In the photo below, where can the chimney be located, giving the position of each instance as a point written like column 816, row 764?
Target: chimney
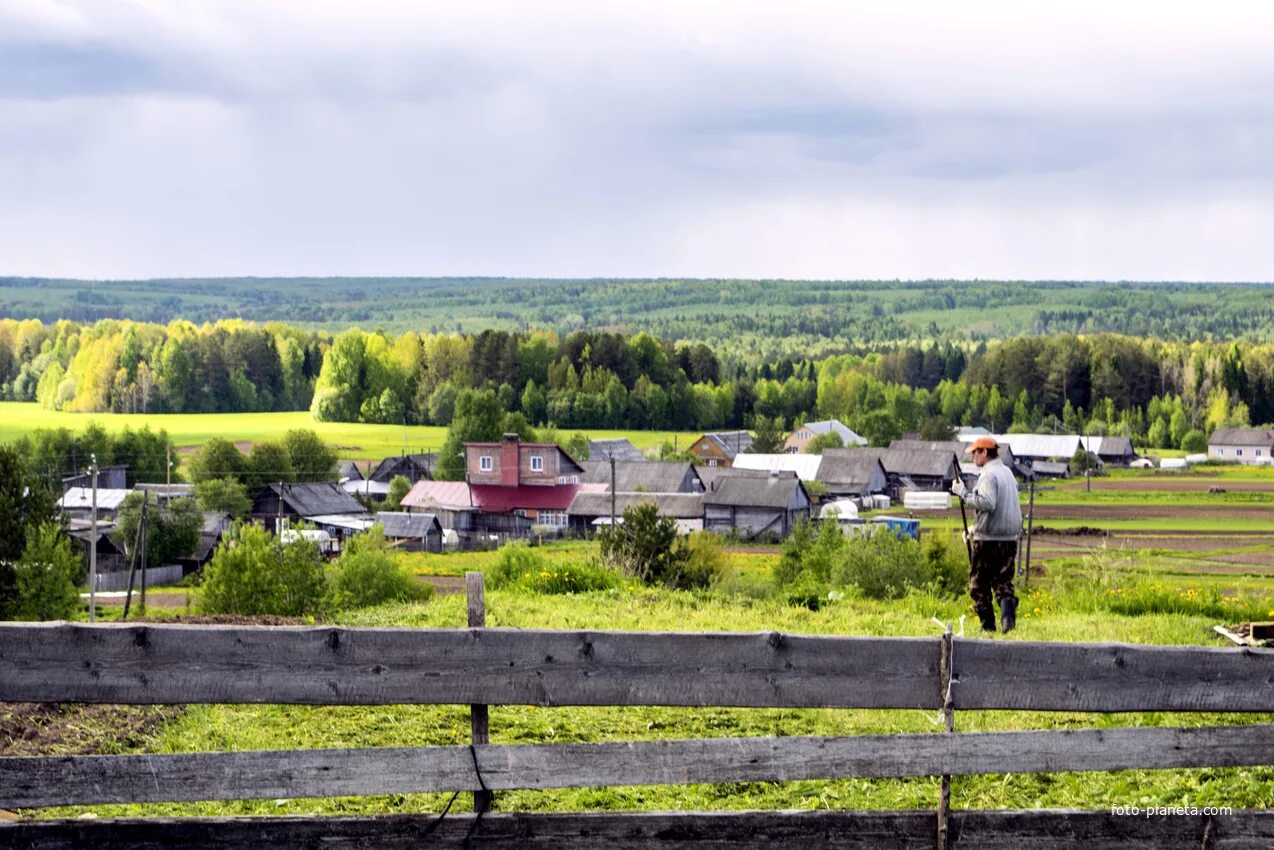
column 510, row 461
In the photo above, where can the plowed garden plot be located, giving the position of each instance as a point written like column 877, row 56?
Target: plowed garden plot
column 1174, row 483
column 1184, row 513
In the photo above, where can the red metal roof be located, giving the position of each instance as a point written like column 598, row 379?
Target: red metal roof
column 494, row 499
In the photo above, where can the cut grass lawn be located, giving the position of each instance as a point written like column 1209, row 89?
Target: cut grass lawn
column 351, row 440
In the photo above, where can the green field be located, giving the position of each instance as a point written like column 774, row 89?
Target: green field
column 350, row 440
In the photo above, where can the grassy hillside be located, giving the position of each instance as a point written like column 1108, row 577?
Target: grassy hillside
column 350, row 440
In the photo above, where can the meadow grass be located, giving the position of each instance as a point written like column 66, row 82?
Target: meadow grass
column 350, row 440
column 1044, row 616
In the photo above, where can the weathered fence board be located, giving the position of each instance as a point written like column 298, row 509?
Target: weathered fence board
column 1042, row 830
column 334, row 666
column 1111, row 677
column 86, row 780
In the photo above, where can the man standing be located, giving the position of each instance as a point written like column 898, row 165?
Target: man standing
column 994, row 535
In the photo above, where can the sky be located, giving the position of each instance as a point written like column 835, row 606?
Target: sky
column 794, row 139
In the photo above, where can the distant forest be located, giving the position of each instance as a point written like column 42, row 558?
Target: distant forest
column 740, row 319
column 1162, row 393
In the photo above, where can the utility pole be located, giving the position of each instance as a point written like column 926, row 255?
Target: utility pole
column 92, row 548
column 168, row 468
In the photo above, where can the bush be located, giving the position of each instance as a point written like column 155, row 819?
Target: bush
column 252, row 573
column 368, row 574
column 523, row 568
column 1194, row 442
column 707, row 560
column 46, row 575
column 646, row 546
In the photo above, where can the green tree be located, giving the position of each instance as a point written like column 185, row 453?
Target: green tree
column 878, row 427
column 268, row 462
column 937, row 428
column 646, row 546
column 830, row 440
column 217, row 458
column 223, row 495
column 46, row 575
column 1158, row 435
column 309, row 456
column 252, row 573
column 1194, row 442
column 534, row 402
column 767, row 434
column 478, row 419
column 25, row 504
column 172, row 530
column 399, row 487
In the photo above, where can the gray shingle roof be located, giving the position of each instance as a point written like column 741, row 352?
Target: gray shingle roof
column 620, row 448
column 1242, row 437
column 650, row 475
column 317, row 498
column 847, row 469
column 731, row 442
column 907, row 461
column 676, row 505
column 400, row 525
column 766, row 491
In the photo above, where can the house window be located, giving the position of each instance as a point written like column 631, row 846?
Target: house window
column 537, row 463
column 712, row 462
column 553, row 519
column 1258, row 452
column 1238, row 453
column 486, row 463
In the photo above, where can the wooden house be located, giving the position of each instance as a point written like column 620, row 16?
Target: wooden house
column 765, row 505
column 721, row 447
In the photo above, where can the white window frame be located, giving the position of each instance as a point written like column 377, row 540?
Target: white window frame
column 486, row 463
column 1238, row 453
column 537, row 463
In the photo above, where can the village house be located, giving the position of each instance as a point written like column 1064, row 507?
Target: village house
column 800, row 438
column 411, row 532
column 849, row 474
column 907, row 469
column 720, row 448
column 590, row 510
column 755, row 505
column 322, row 503
column 511, row 487
column 1242, row 445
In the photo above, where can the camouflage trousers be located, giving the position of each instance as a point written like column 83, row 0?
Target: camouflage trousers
column 991, row 573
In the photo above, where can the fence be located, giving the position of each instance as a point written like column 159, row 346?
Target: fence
column 118, row 579
column 171, row 664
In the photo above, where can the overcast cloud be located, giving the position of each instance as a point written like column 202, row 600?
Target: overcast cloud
column 791, row 139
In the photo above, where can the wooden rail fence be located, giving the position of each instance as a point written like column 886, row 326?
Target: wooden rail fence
column 167, row 664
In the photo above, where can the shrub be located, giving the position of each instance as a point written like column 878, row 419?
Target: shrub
column 252, row 573
column 1194, row 442
column 948, row 562
column 45, row 576
column 524, row 568
column 646, row 546
column 884, row 566
column 707, row 560
column 368, row 574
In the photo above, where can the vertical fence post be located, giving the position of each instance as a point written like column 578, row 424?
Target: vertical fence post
column 948, row 724
column 478, row 717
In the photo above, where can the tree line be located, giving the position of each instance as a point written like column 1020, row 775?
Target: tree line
column 1153, row 390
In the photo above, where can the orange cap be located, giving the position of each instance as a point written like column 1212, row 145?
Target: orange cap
column 984, row 443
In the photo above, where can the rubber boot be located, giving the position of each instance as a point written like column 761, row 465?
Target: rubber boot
column 1008, row 614
column 988, row 622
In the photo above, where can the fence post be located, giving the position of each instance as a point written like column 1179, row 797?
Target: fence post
column 948, row 724
column 478, row 718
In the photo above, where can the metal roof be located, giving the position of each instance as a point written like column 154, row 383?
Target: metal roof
column 1242, row 437
column 847, row 434
column 81, row 499
column 805, row 466
column 316, row 498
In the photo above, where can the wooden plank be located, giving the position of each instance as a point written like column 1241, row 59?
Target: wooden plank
column 984, row 830
column 135, row 663
column 1111, row 677
column 479, row 715
column 85, row 780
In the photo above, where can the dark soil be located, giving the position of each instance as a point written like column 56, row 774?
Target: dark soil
column 50, row 728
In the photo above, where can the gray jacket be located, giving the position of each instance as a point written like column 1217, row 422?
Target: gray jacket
column 994, row 497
